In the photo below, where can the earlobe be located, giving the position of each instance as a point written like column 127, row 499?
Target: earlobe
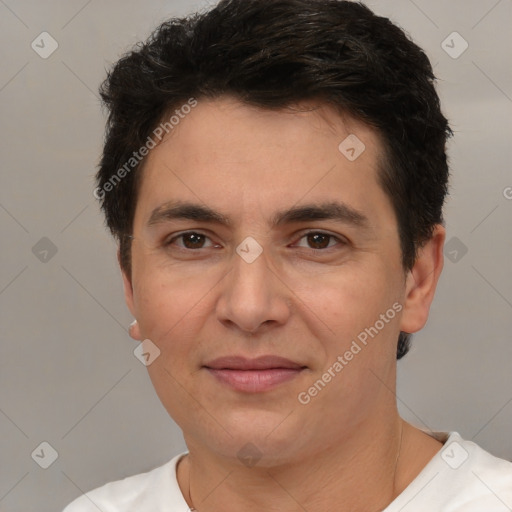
column 422, row 281
column 134, row 331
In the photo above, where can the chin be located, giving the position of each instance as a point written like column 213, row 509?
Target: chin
column 256, row 437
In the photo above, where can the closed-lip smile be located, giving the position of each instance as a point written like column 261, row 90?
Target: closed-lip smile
column 253, row 375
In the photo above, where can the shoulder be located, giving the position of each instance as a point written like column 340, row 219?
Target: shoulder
column 461, row 477
column 141, row 492
column 483, row 479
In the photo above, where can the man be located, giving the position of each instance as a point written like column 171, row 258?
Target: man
column 274, row 172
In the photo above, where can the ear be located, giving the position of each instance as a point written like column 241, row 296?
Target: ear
column 422, row 281
column 128, row 297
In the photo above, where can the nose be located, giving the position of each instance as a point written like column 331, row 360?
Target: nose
column 253, row 297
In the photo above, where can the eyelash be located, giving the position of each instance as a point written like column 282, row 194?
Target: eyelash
column 181, row 235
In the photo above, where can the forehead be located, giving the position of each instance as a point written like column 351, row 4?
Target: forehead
column 228, row 153
column 226, row 128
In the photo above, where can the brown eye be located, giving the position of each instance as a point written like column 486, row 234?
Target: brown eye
column 193, row 240
column 317, row 240
column 190, row 240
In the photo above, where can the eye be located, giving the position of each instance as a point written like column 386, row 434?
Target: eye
column 318, row 240
column 190, row 240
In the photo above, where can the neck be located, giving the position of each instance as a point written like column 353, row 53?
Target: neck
column 362, row 472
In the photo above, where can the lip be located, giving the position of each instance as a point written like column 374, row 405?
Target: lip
column 259, row 363
column 253, row 375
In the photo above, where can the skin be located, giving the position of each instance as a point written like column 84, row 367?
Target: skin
column 348, row 444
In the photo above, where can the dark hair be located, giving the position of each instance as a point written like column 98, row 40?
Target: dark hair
column 274, row 54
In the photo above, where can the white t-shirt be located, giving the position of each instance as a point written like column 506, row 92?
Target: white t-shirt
column 461, row 477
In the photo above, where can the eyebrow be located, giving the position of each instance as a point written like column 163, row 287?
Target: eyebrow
column 337, row 211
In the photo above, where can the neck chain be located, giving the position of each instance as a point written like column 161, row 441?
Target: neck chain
column 396, row 462
column 192, row 509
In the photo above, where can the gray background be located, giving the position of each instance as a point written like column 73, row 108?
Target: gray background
column 68, row 375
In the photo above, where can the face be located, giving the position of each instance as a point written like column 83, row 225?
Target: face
column 256, row 236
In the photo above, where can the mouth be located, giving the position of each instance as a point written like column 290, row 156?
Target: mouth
column 254, row 375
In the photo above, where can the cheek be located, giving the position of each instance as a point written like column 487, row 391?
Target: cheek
column 352, row 305
column 352, row 298
column 171, row 313
column 169, row 306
